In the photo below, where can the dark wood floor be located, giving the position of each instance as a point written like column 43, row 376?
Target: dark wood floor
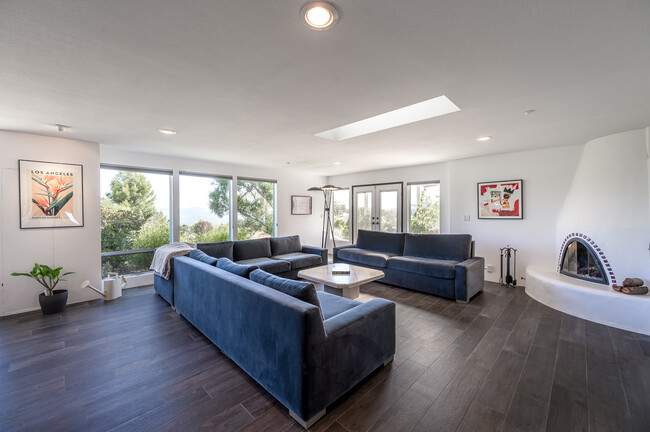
column 502, row 362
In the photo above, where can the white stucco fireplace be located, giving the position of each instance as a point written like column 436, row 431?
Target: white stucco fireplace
column 603, row 231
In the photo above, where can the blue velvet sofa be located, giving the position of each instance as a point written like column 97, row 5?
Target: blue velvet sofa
column 304, row 359
column 282, row 256
column 440, row 264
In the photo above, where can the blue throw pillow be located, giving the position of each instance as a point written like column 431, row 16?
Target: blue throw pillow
column 304, row 291
column 203, row 257
column 234, row 268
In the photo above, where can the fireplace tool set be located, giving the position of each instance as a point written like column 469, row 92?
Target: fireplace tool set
column 508, row 254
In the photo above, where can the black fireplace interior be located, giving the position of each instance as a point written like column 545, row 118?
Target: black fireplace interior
column 580, row 261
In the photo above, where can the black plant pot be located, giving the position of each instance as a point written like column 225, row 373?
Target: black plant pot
column 54, row 303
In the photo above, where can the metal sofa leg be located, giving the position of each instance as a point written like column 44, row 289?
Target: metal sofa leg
column 462, row 301
column 388, row 360
column 309, row 423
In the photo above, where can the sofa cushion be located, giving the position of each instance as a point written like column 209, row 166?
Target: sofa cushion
column 390, row 243
column 438, row 246
column 299, row 260
column 218, row 249
column 234, row 268
column 285, row 245
column 332, row 305
column 304, row 291
column 199, row 255
column 362, row 256
column 247, row 249
column 268, row 264
column 442, row 269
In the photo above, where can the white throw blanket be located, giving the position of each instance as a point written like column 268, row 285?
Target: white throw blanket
column 162, row 258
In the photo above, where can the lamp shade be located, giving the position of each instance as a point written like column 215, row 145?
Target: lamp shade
column 330, row 188
column 314, row 189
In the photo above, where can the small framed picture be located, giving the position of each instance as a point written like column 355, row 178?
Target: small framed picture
column 501, row 200
column 300, row 205
column 51, row 194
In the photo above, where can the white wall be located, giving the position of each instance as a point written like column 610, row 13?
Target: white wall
column 608, row 201
column 74, row 249
column 290, row 182
column 546, row 174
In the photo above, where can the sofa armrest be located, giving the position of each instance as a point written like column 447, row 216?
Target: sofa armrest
column 470, row 278
column 316, row 251
column 335, row 252
column 357, row 342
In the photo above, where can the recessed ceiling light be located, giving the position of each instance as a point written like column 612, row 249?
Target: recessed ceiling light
column 167, row 131
column 336, row 163
column 485, row 138
column 319, row 15
column 529, row 112
column 427, row 109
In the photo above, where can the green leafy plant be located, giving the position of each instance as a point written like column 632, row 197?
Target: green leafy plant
column 46, row 276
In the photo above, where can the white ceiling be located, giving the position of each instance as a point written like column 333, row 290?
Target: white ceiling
column 245, row 81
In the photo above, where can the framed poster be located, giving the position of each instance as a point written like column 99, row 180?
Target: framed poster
column 300, row 205
column 501, row 200
column 51, row 194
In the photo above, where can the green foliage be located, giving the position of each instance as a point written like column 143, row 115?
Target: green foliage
column 134, row 191
column 120, row 224
column 254, row 206
column 426, row 217
column 204, row 232
column 340, row 220
column 46, row 276
column 154, row 233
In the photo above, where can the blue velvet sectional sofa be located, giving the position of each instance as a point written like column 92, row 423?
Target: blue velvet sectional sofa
column 440, row 264
column 282, row 256
column 306, row 355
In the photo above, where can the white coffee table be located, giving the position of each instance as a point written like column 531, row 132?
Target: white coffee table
column 344, row 285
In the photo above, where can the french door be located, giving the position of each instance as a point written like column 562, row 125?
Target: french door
column 377, row 208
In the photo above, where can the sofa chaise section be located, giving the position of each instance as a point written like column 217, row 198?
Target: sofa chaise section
column 305, row 362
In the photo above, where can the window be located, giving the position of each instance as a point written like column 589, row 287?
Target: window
column 204, row 205
column 424, row 208
column 135, row 207
column 255, row 208
column 341, row 214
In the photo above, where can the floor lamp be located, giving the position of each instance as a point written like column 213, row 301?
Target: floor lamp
column 327, row 220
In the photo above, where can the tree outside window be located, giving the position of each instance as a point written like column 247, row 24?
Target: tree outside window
column 424, row 208
column 341, row 214
column 255, row 207
column 134, row 215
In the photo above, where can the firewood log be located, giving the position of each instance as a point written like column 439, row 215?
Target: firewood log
column 616, row 287
column 635, row 290
column 633, row 282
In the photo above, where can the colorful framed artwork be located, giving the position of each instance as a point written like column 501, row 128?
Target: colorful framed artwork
column 501, row 200
column 300, row 205
column 51, row 194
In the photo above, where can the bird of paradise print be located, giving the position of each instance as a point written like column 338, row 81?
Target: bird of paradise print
column 50, row 197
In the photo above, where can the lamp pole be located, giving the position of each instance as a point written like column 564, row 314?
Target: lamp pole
column 328, row 228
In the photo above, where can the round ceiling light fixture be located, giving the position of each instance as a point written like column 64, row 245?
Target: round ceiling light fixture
column 167, row 131
column 484, row 138
column 319, row 15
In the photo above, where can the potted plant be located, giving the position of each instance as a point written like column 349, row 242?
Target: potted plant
column 52, row 301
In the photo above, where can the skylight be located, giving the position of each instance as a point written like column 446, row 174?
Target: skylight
column 435, row 107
